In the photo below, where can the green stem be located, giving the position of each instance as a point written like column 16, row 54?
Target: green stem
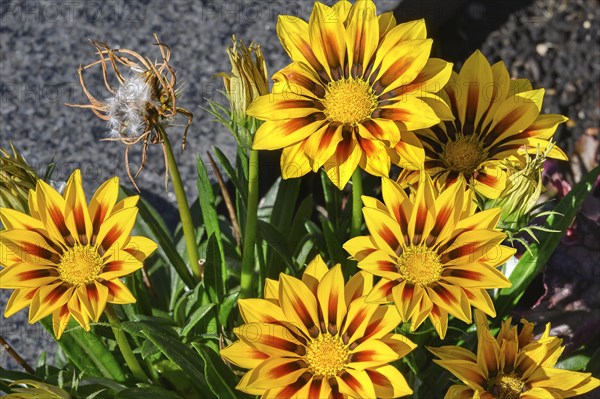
column 124, row 347
column 357, row 192
column 184, row 208
column 248, row 262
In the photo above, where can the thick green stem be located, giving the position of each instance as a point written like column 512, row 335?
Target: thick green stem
column 124, row 347
column 248, row 262
column 357, row 192
column 189, row 232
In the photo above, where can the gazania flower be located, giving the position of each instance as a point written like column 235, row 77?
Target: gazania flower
column 434, row 254
column 495, row 118
column 316, row 338
column 358, row 85
column 65, row 258
column 512, row 365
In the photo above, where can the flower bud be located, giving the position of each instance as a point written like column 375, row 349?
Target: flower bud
column 16, row 179
column 246, row 82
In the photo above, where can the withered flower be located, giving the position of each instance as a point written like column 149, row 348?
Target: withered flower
column 142, row 104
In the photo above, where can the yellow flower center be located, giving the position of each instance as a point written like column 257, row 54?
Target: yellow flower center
column 420, row 265
column 326, row 355
column 349, row 101
column 464, row 154
column 80, row 265
column 505, row 386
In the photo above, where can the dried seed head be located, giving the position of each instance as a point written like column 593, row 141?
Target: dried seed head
column 127, row 109
column 144, row 102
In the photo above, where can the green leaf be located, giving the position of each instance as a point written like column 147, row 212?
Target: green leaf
column 334, row 248
column 219, row 377
column 145, row 393
column 576, row 362
column 227, row 306
column 277, row 242
column 163, row 237
column 533, row 261
column 181, row 355
column 196, row 317
column 208, row 205
column 232, row 174
column 87, row 352
column 213, row 280
column 302, row 214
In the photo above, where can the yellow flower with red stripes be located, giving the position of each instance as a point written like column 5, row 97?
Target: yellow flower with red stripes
column 511, row 366
column 319, row 338
column 66, row 257
column 435, row 256
column 357, row 87
column 496, row 119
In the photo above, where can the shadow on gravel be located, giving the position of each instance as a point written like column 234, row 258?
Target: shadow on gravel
column 459, row 27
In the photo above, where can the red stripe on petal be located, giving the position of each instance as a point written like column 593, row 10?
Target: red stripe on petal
column 394, row 114
column 466, row 274
column 327, row 137
column 332, row 308
column 315, row 388
column 393, row 72
column 55, row 295
column 59, row 220
column 374, row 128
column 286, row 104
column 99, row 217
column 458, row 252
column 290, row 390
column 505, row 123
column 351, row 381
column 358, row 319
column 377, row 378
column 285, row 369
column 305, row 82
column 40, row 252
column 114, row 266
column 389, row 236
column 110, row 238
column 488, row 180
column 33, row 274
column 364, row 356
column 92, row 293
column 80, row 224
column 296, row 124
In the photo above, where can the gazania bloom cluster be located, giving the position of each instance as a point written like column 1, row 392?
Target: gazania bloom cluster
column 143, row 102
column 495, row 118
column 319, row 338
column 513, row 365
column 66, row 256
column 357, row 86
column 434, row 254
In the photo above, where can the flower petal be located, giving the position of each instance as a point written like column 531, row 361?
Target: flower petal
column 243, row 355
column 299, row 304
